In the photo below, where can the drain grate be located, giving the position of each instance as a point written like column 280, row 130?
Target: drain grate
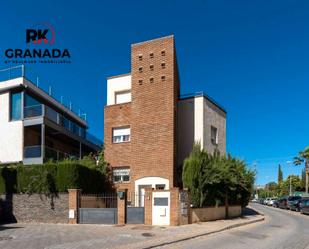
column 5, row 238
column 148, row 234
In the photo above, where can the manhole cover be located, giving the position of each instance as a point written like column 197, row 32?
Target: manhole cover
column 5, row 238
column 148, row 234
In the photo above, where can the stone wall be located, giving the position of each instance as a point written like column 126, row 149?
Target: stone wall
column 34, row 208
column 213, row 213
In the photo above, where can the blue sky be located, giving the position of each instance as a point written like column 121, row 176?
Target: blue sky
column 250, row 56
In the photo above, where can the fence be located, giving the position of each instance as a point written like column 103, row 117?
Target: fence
column 108, row 200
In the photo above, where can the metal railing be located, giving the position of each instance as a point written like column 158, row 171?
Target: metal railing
column 12, row 72
column 51, row 114
column 20, row 71
column 35, row 151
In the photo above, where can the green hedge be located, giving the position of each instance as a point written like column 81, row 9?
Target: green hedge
column 52, row 178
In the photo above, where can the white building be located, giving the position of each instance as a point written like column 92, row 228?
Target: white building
column 34, row 127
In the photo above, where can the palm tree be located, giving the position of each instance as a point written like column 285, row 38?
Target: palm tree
column 303, row 156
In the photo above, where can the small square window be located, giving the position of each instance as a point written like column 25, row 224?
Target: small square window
column 140, row 69
column 163, row 78
column 140, row 57
column 163, row 52
column 151, row 55
column 163, row 65
column 140, row 82
column 151, row 80
column 151, row 67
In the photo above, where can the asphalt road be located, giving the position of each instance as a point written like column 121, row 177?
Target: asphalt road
column 281, row 229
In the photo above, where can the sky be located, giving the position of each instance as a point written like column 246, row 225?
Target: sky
column 252, row 57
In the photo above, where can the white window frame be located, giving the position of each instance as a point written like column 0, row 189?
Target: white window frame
column 123, row 92
column 121, row 172
column 121, row 136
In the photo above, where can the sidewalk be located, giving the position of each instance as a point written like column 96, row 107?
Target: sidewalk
column 177, row 234
column 64, row 236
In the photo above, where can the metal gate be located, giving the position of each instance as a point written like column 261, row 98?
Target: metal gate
column 98, row 209
column 135, row 209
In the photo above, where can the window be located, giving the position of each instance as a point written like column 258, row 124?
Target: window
column 33, row 107
column 163, row 78
column 214, row 135
column 140, row 82
column 163, row 52
column 121, row 134
column 16, row 106
column 151, row 55
column 160, row 186
column 140, row 57
column 151, row 80
column 122, row 97
column 163, row 65
column 151, row 67
column 121, row 174
column 140, row 69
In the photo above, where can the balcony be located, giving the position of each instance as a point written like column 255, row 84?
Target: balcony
column 42, row 110
column 35, row 151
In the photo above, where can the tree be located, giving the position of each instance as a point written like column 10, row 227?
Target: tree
column 303, row 156
column 280, row 174
column 213, row 179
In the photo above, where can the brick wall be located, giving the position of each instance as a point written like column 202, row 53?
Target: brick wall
column 154, row 108
column 35, row 208
column 151, row 115
column 117, row 154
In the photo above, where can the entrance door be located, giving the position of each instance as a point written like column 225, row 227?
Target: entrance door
column 141, row 194
column 161, row 208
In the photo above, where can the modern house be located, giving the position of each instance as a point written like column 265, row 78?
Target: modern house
column 148, row 127
column 35, row 127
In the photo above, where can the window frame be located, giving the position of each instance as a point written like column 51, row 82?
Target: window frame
column 121, row 92
column 214, row 141
column 124, row 168
column 122, row 140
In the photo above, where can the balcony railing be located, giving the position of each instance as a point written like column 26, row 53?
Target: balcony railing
column 44, row 110
column 35, row 151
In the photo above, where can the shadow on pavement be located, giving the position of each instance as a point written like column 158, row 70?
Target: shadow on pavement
column 3, row 227
column 249, row 211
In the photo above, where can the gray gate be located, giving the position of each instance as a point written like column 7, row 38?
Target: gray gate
column 98, row 215
column 98, row 209
column 135, row 209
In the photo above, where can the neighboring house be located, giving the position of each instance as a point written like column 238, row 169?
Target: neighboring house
column 149, row 128
column 34, row 127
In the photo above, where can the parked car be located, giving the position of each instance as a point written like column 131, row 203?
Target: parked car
column 276, row 203
column 261, row 200
column 271, row 201
column 266, row 201
column 294, row 202
column 283, row 202
column 304, row 206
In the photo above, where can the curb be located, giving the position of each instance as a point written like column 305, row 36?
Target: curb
column 207, row 233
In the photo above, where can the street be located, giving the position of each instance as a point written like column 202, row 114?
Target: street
column 281, row 229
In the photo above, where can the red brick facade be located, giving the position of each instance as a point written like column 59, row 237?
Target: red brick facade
column 152, row 114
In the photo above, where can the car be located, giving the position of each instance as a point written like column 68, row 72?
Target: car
column 266, row 201
column 276, row 203
column 294, row 203
column 271, row 201
column 304, row 205
column 282, row 202
column 261, row 200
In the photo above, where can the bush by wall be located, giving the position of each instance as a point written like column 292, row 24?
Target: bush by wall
column 52, row 178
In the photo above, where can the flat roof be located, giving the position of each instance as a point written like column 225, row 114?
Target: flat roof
column 201, row 94
column 7, row 85
column 119, row 76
